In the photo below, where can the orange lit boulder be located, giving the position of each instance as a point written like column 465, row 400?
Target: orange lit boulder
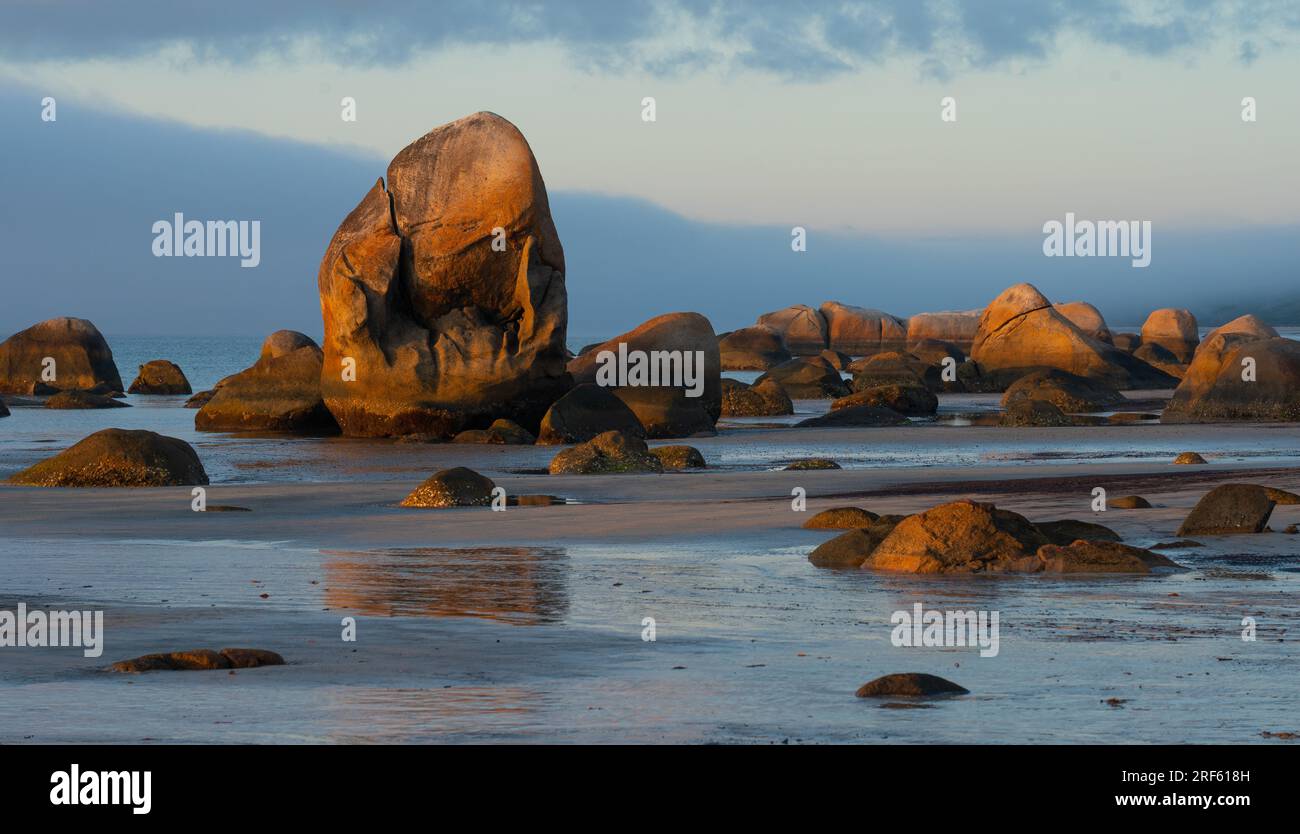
column 803, row 328
column 859, row 331
column 1087, row 318
column 444, row 289
column 956, row 327
column 1174, row 330
column 81, row 359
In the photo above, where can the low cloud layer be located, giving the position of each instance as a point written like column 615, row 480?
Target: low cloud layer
column 794, row 40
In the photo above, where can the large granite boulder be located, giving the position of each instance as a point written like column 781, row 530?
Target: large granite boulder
column 664, row 402
column 583, row 413
column 82, row 359
column 1087, row 318
column 755, row 348
column 1173, row 329
column 446, row 289
column 1021, row 331
column 1213, row 388
column 957, row 327
column 159, row 378
column 118, row 458
column 803, row 329
column 859, row 331
column 281, row 392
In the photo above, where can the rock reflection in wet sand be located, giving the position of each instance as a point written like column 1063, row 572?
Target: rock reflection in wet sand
column 520, row 585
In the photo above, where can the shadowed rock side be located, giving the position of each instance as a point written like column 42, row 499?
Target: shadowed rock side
column 82, row 359
column 583, row 413
column 755, row 348
column 909, row 684
column 1068, row 392
column 1021, row 331
column 608, row 453
column 664, row 410
column 198, row 660
column 457, row 487
column 1087, row 318
column 762, row 399
column 83, row 400
column 160, row 377
column 119, row 458
column 4, row 411
column 1229, row 509
column 807, row 378
column 447, row 333
column 1217, row 386
column 1173, row 329
column 952, row 326
column 279, row 393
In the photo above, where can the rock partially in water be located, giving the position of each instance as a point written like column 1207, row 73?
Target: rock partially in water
column 763, row 399
column 679, row 457
column 960, row 537
column 200, row 660
column 1101, row 557
column 281, row 392
column 810, row 463
column 1068, row 392
column 160, row 377
column 457, row 487
column 1228, row 509
column 119, row 458
column 82, row 400
column 1189, row 459
column 1129, row 502
column 807, row 378
column 502, row 432
column 851, row 549
column 612, row 452
column 81, row 359
column 856, row 416
column 914, row 684
column 585, row 412
column 1281, row 496
column 1026, row 413
column 909, row 400
column 755, row 348
column 1068, row 530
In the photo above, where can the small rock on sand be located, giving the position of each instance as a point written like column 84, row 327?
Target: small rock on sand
column 679, row 457
column 1130, row 502
column 810, row 463
column 1189, row 458
column 458, row 487
column 909, row 683
column 841, row 518
column 199, row 660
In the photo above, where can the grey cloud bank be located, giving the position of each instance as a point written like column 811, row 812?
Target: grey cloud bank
column 800, row 40
column 84, row 193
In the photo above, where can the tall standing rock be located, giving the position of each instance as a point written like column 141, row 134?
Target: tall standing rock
column 446, row 290
column 81, row 359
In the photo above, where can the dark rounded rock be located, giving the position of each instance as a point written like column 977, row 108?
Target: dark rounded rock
column 856, row 416
column 1068, row 392
column 119, row 458
column 160, row 377
column 81, row 358
column 679, row 457
column 1066, row 531
column 70, row 400
column 841, row 518
column 810, row 463
column 763, row 399
column 611, row 452
column 501, row 432
column 457, row 487
column 910, row 684
column 1230, row 508
column 808, row 378
column 908, row 400
column 755, row 348
column 585, row 412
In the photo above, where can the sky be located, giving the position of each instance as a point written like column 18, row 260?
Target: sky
column 769, row 115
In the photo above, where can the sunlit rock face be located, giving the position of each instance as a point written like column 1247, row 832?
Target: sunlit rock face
column 443, row 292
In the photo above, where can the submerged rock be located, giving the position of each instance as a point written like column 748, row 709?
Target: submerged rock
column 810, row 463
column 81, row 358
column 160, row 377
column 1025, row 412
column 608, row 453
column 447, row 329
column 1230, row 508
column 909, row 684
column 119, row 458
column 457, row 487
